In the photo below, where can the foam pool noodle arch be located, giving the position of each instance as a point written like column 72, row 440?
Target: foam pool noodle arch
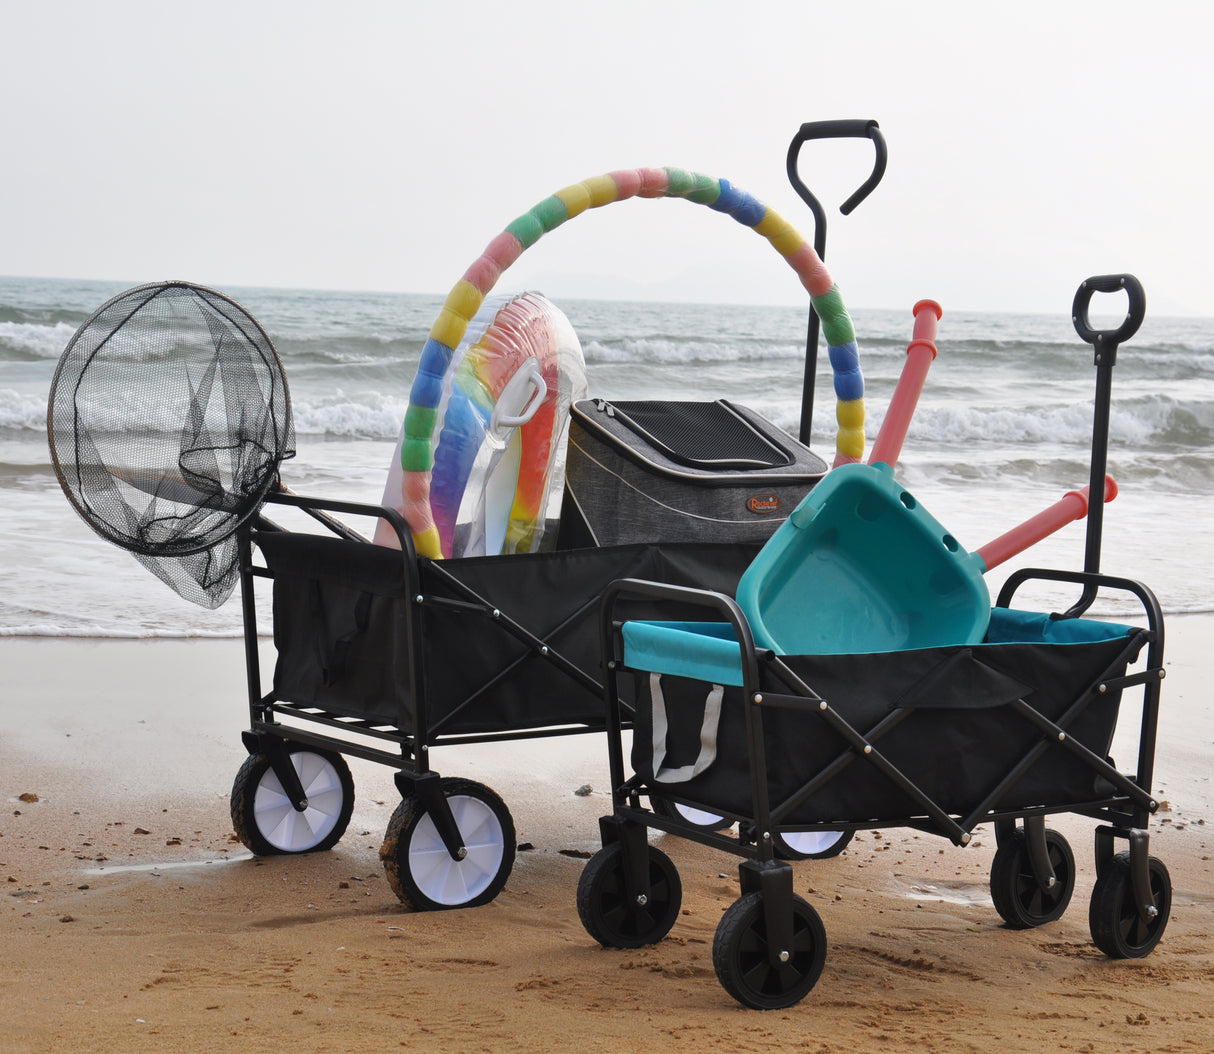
column 419, row 436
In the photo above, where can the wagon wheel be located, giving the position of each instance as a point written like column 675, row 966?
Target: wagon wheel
column 1018, row 896
column 810, row 845
column 421, row 870
column 701, row 818
column 613, row 918
column 267, row 822
column 1117, row 928
column 744, row 967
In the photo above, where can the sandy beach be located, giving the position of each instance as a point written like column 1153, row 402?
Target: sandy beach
column 133, row 920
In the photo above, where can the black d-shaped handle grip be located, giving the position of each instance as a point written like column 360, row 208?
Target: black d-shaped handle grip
column 1109, row 283
column 846, row 129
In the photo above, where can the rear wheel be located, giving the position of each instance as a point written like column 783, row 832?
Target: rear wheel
column 421, row 870
column 707, row 821
column 810, row 845
column 1018, row 895
column 1117, row 928
column 613, row 917
column 743, row 961
column 266, row 820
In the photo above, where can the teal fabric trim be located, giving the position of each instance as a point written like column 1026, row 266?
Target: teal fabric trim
column 709, row 651
column 705, row 651
column 1009, row 626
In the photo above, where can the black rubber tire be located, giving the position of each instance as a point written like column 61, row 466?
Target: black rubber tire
column 739, row 955
column 421, row 871
column 698, row 818
column 268, row 824
column 1020, row 901
column 792, row 845
column 608, row 914
column 1113, row 918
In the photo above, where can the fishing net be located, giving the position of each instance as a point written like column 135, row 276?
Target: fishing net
column 168, row 418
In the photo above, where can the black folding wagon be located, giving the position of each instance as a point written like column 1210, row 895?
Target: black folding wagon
column 758, row 748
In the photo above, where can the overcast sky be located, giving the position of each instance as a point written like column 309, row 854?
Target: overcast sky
column 380, row 145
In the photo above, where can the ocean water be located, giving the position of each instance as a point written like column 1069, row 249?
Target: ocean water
column 1003, row 429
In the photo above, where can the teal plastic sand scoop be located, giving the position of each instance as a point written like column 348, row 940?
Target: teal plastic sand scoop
column 861, row 566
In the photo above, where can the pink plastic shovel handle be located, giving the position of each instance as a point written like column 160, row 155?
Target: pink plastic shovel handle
column 919, row 355
column 1073, row 506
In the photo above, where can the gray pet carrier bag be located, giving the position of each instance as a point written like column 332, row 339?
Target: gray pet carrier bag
column 679, row 471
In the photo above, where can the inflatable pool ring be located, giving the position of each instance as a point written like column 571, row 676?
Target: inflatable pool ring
column 419, row 435
column 501, row 419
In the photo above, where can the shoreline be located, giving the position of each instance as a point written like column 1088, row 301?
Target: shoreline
column 134, row 919
column 265, row 633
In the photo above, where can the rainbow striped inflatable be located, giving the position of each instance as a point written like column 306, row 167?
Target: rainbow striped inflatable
column 501, row 423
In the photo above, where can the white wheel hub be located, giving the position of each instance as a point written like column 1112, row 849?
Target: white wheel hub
column 811, row 843
column 453, row 882
column 286, row 829
column 700, row 817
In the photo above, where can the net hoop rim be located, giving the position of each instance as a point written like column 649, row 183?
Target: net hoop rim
column 274, row 364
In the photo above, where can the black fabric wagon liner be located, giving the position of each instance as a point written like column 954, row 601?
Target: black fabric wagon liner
column 346, row 644
column 954, row 721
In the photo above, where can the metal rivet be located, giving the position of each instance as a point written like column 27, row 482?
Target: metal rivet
column 1061, row 737
column 543, row 649
column 418, row 599
column 867, row 749
column 642, row 899
column 758, row 697
column 1102, row 688
column 767, row 836
column 822, row 705
column 463, row 852
column 496, row 613
column 784, row 956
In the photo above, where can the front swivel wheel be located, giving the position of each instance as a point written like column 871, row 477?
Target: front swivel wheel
column 420, row 868
column 266, row 820
column 615, row 916
column 751, row 971
column 1018, row 896
column 1118, row 929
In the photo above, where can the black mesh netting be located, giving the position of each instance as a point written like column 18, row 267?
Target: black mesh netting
column 168, row 418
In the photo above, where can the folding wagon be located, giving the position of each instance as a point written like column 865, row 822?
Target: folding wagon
column 786, row 712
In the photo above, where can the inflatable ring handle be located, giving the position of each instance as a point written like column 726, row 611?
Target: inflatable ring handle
column 534, row 379
column 465, row 299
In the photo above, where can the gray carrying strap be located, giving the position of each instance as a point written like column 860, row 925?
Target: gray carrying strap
column 708, row 733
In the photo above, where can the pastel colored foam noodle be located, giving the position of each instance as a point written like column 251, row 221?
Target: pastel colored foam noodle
column 415, row 476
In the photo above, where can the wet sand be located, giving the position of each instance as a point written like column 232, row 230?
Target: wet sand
column 132, row 920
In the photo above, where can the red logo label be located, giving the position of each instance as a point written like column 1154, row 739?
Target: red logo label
column 763, row 504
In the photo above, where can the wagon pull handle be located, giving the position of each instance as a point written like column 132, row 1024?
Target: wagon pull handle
column 1073, row 505
column 845, row 129
column 1106, row 340
column 1104, row 348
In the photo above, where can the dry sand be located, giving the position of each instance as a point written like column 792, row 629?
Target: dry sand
column 133, row 921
